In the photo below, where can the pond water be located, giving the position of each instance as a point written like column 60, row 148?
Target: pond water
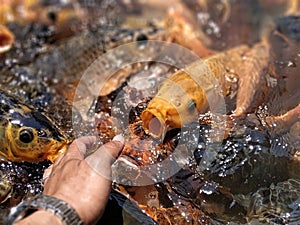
column 215, row 169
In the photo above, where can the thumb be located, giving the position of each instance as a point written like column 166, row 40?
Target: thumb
column 101, row 160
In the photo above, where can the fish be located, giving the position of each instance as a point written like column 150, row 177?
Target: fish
column 27, row 134
column 190, row 91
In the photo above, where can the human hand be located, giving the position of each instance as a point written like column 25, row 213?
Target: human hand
column 84, row 183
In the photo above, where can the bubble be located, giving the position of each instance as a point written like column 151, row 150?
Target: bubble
column 291, row 64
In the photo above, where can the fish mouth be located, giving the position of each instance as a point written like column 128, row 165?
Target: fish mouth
column 57, row 151
column 62, row 143
column 60, row 137
column 153, row 123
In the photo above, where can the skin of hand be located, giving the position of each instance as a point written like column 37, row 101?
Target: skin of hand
column 83, row 183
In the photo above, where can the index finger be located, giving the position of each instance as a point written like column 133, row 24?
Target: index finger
column 101, row 160
column 79, row 146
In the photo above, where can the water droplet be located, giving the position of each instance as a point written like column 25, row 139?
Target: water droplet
column 176, row 102
column 152, row 195
column 291, row 64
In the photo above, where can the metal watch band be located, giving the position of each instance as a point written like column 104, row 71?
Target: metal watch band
column 57, row 206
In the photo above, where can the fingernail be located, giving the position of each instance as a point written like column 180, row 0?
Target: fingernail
column 119, row 138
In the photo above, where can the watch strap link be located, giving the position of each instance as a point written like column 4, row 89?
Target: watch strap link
column 54, row 205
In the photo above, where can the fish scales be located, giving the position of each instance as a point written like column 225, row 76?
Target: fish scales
column 73, row 57
column 184, row 94
column 256, row 66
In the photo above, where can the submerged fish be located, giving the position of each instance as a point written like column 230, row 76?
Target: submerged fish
column 27, row 134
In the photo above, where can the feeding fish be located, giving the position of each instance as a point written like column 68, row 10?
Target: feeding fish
column 185, row 94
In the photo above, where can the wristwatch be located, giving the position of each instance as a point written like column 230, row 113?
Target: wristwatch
column 54, row 205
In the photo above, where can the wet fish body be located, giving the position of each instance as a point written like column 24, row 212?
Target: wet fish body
column 186, row 93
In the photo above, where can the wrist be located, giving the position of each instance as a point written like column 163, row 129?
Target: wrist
column 33, row 208
column 79, row 208
column 83, row 207
column 89, row 204
column 41, row 217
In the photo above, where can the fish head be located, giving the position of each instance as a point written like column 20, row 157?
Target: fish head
column 178, row 102
column 32, row 136
column 162, row 115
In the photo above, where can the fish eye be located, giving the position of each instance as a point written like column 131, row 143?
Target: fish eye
column 191, row 105
column 42, row 133
column 26, row 135
column 142, row 37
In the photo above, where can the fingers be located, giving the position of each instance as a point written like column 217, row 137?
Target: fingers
column 47, row 174
column 119, row 138
column 76, row 151
column 116, row 151
column 102, row 159
column 88, row 141
column 78, row 147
